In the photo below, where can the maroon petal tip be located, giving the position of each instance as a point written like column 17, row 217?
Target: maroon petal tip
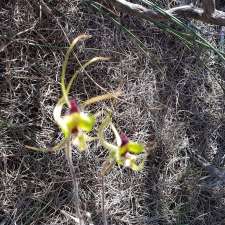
column 124, row 139
column 73, row 106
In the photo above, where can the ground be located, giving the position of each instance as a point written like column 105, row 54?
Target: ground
column 172, row 102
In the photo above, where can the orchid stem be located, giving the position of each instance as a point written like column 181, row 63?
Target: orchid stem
column 74, row 182
column 103, row 202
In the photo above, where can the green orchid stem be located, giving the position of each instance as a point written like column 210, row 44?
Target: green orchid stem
column 103, row 202
column 68, row 153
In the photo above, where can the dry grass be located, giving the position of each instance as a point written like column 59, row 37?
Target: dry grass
column 171, row 97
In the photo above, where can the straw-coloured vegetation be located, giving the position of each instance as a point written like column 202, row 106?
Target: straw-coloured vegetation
column 161, row 83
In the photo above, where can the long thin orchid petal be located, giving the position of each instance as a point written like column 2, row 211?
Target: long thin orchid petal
column 59, row 119
column 58, row 110
column 65, row 63
column 116, row 133
column 104, row 97
column 105, row 123
column 55, row 148
column 82, row 67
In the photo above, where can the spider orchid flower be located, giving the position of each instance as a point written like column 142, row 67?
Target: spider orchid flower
column 126, row 152
column 74, row 124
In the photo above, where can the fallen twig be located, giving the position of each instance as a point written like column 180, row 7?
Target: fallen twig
column 207, row 14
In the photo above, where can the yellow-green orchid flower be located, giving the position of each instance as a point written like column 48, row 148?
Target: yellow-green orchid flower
column 126, row 152
column 74, row 124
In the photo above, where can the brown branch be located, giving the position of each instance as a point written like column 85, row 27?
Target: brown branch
column 187, row 11
column 209, row 7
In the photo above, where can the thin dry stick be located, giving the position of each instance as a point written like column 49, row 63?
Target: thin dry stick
column 208, row 14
